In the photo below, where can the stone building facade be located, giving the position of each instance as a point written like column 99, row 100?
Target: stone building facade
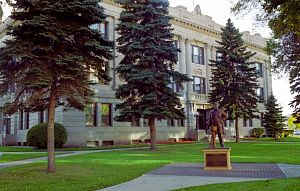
column 196, row 36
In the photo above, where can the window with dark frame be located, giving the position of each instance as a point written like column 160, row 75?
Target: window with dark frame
column 180, row 122
column 259, row 69
column 250, row 123
column 21, row 119
column 91, row 115
column 245, row 122
column 41, row 117
column 198, row 55
column 106, row 114
column 175, row 86
column 199, row 85
column 7, row 124
column 170, row 122
column 27, row 120
column 260, row 94
column 219, row 56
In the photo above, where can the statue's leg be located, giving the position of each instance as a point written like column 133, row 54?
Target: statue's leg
column 213, row 138
column 220, row 135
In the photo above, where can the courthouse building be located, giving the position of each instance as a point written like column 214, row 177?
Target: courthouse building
column 196, row 35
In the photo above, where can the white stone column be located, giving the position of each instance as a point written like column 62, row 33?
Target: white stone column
column 182, row 55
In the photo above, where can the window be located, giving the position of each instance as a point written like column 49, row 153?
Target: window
column 27, row 120
column 219, row 56
column 176, row 87
column 91, row 115
column 21, row 119
column 102, row 28
column 259, row 69
column 135, row 122
column 7, row 125
column 260, row 94
column 199, row 85
column 180, row 122
column 170, row 123
column 245, row 122
column 106, row 118
column 198, row 55
column 250, row 123
column 41, row 116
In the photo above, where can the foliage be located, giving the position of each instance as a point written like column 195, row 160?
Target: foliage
column 273, row 120
column 292, row 123
column 146, row 41
column 257, row 132
column 234, row 79
column 284, row 20
column 37, row 136
column 51, row 55
column 287, row 133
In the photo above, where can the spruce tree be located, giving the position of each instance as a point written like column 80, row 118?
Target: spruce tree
column 273, row 120
column 234, row 77
column 146, row 41
column 51, row 56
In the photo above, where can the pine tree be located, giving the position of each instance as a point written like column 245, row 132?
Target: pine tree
column 146, row 40
column 51, row 56
column 273, row 120
column 234, row 77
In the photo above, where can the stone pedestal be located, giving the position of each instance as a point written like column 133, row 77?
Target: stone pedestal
column 217, row 159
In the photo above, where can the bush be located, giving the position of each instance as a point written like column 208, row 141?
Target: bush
column 287, row 133
column 37, row 135
column 257, row 132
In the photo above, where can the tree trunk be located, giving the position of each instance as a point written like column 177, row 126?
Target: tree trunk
column 237, row 130
column 152, row 133
column 50, row 145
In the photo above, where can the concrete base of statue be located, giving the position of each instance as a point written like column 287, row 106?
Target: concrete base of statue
column 217, row 159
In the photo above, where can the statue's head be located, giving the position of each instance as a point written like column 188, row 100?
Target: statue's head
column 216, row 105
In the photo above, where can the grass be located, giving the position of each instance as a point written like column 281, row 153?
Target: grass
column 268, row 139
column 31, row 149
column 10, row 157
column 99, row 170
column 292, row 184
column 15, row 157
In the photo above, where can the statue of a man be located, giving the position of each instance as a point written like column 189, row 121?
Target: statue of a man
column 217, row 118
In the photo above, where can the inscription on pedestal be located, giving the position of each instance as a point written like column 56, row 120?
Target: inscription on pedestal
column 217, row 159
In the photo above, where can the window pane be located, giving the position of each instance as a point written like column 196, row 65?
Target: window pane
column 89, row 114
column 94, row 26
column 106, row 114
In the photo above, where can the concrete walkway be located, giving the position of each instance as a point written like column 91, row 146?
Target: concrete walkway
column 176, row 176
column 68, row 153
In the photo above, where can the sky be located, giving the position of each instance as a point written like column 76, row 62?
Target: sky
column 219, row 10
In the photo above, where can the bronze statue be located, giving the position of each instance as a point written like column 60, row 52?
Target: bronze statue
column 216, row 123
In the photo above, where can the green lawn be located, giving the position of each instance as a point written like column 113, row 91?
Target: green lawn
column 268, row 139
column 100, row 170
column 15, row 157
column 16, row 149
column 292, row 184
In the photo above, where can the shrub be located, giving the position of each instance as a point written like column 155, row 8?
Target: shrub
column 257, row 132
column 37, row 135
column 287, row 133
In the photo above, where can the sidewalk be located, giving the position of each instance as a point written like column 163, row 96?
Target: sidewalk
column 176, row 176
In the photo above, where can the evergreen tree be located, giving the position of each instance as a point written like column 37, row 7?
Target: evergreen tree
column 146, row 41
column 273, row 120
column 234, row 77
column 51, row 56
column 283, row 18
